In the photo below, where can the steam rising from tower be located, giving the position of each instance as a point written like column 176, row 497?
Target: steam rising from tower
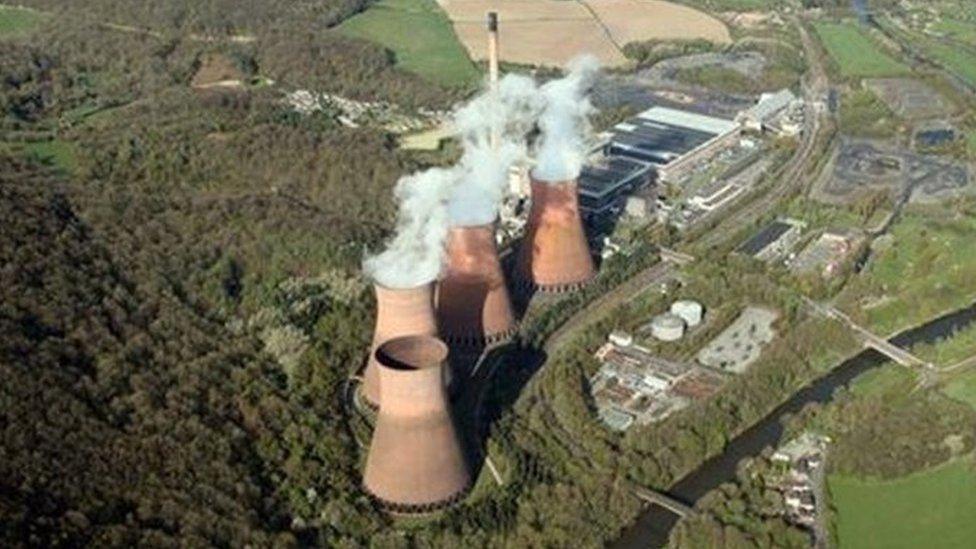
column 564, row 123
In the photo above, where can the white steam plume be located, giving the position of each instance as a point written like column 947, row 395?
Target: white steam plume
column 492, row 128
column 414, row 256
column 564, row 122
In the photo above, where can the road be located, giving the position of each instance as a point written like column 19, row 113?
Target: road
column 791, row 177
column 658, row 273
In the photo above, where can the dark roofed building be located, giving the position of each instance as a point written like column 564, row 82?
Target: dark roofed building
column 773, row 241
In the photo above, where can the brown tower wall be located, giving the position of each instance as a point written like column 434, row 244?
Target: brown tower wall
column 554, row 256
column 473, row 305
column 399, row 312
column 415, row 462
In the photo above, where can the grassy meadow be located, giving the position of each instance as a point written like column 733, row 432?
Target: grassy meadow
column 856, row 54
column 934, row 508
column 420, row 36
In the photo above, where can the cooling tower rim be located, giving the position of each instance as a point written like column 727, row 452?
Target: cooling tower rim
column 395, row 508
column 380, row 286
column 572, row 181
column 463, row 226
column 465, row 340
column 409, row 364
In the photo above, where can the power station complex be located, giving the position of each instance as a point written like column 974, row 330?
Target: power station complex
column 416, row 460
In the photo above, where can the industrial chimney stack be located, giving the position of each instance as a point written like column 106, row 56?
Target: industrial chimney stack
column 415, row 462
column 473, row 306
column 399, row 312
column 554, row 256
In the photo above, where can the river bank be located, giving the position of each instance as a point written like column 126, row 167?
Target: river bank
column 653, row 526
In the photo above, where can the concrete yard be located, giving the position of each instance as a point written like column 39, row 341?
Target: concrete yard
column 739, row 345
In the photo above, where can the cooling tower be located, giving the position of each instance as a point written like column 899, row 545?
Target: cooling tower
column 555, row 256
column 399, row 312
column 473, row 305
column 415, row 462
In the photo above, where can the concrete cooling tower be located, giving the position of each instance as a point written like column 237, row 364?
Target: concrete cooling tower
column 554, row 256
column 415, row 462
column 399, row 312
column 473, row 305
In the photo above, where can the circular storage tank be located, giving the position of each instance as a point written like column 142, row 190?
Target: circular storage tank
column 690, row 311
column 668, row 327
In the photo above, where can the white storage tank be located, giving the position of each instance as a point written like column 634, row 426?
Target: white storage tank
column 668, row 327
column 689, row 310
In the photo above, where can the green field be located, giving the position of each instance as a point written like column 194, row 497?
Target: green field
column 856, row 54
column 862, row 114
column 934, row 508
column 15, row 21
column 929, row 269
column 955, row 58
column 59, row 154
column 421, row 37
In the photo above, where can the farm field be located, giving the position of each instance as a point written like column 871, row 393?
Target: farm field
column 910, row 512
column 929, row 269
column 16, row 20
column 856, row 54
column 420, row 36
column 551, row 32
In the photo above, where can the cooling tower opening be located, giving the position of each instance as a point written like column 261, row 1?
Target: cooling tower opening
column 399, row 312
column 415, row 462
column 412, row 353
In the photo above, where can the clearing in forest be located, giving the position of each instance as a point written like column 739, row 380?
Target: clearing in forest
column 421, row 38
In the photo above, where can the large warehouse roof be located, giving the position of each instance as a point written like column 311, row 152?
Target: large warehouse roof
column 662, row 135
column 690, row 120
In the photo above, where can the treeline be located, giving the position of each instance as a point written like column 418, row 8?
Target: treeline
column 211, row 17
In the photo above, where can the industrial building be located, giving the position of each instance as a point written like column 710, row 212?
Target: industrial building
column 774, row 241
column 635, row 385
column 766, row 110
column 606, row 182
column 671, row 140
column 415, row 462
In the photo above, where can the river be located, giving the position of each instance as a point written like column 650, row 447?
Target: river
column 652, row 527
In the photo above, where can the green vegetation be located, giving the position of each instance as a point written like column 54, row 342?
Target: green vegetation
column 649, row 52
column 958, row 30
column 962, row 387
column 55, row 152
column 855, row 54
column 951, row 350
column 717, row 77
column 934, row 506
column 420, row 35
column 863, row 114
column 15, row 21
column 959, row 60
column 930, row 268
